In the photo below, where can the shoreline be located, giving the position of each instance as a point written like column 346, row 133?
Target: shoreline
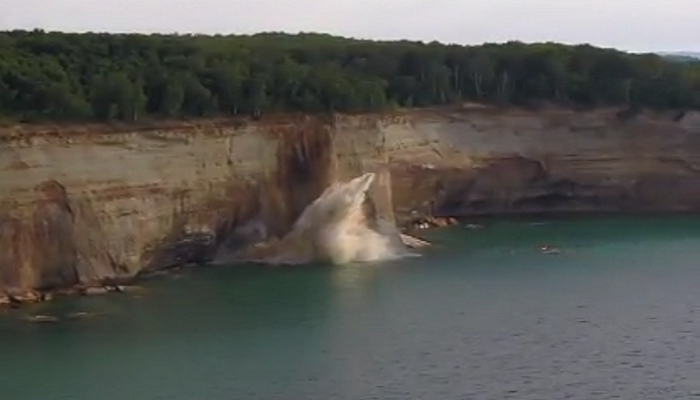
column 411, row 236
column 15, row 299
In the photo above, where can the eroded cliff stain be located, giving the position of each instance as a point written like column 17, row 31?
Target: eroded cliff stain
column 39, row 235
column 304, row 159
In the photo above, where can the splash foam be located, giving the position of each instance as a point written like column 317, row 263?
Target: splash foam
column 337, row 228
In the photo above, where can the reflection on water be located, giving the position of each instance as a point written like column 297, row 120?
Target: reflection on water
column 354, row 278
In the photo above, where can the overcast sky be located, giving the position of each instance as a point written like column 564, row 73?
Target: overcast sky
column 638, row 25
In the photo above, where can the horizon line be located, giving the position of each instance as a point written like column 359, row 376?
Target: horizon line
column 675, row 51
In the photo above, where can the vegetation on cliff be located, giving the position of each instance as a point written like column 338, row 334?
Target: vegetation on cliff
column 110, row 76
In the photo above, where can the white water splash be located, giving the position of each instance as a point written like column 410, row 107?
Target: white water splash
column 337, row 228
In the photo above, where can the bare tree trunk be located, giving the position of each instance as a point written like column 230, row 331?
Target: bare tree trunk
column 477, row 84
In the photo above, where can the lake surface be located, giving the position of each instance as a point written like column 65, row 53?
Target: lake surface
column 483, row 315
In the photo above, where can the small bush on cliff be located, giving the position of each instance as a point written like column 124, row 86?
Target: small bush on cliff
column 110, row 76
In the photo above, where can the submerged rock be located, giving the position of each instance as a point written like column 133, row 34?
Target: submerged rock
column 94, row 291
column 130, row 289
column 80, row 314
column 549, row 250
column 41, row 318
column 112, row 288
column 414, row 242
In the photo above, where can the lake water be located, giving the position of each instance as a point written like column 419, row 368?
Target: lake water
column 483, row 315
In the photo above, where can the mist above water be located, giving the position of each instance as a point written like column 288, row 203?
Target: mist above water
column 338, row 227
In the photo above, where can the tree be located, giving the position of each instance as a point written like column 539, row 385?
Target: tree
column 64, row 104
column 116, row 96
column 172, row 100
column 51, row 75
column 197, row 99
column 227, row 86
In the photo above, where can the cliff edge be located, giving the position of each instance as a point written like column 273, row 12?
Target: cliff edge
column 95, row 203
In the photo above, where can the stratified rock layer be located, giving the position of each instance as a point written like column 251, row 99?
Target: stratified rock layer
column 484, row 161
column 84, row 204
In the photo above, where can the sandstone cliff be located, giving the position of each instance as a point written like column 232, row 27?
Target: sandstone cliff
column 85, row 204
column 487, row 161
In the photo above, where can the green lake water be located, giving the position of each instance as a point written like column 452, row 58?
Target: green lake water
column 482, row 315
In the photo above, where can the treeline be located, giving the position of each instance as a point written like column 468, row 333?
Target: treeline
column 47, row 75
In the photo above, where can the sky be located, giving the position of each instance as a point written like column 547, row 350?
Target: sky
column 634, row 25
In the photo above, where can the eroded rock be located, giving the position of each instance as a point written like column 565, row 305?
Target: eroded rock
column 433, row 222
column 19, row 296
column 414, row 242
column 146, row 204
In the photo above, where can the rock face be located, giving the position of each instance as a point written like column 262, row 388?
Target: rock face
column 83, row 204
column 484, row 161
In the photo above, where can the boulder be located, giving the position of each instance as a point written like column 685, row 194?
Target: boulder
column 23, row 296
column 414, row 242
column 94, row 291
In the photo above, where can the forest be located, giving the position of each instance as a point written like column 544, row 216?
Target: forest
column 95, row 76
